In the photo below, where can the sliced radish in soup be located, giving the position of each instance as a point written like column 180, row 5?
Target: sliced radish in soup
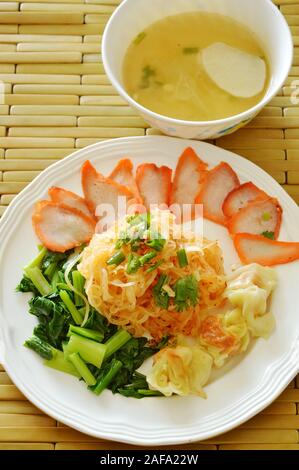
column 238, row 73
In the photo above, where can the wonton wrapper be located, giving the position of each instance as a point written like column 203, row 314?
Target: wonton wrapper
column 249, row 289
column 182, row 370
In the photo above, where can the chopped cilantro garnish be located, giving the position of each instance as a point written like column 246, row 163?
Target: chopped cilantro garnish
column 186, row 292
column 270, row 235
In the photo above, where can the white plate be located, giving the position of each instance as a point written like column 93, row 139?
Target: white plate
column 250, row 384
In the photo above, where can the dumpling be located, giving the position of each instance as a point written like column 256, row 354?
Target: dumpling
column 224, row 335
column 235, row 324
column 261, row 326
column 246, row 276
column 182, row 370
column 248, row 289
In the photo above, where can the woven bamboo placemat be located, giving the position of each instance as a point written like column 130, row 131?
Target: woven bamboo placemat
column 55, row 85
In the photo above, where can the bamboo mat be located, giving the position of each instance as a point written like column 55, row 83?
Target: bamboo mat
column 55, row 85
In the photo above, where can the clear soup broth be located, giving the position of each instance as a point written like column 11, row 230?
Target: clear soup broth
column 163, row 70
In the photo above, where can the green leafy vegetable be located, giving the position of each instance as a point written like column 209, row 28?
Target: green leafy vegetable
column 82, row 369
column 66, row 299
column 26, row 285
column 58, row 362
column 38, row 280
column 36, row 262
column 40, row 347
column 106, row 379
column 52, row 317
column 51, row 258
column 119, row 339
column 150, row 393
column 101, row 324
column 78, row 283
column 57, row 280
column 87, row 333
column 131, row 355
column 90, row 351
column 112, row 364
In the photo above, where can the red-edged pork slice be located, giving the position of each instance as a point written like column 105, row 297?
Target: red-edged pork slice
column 68, row 198
column 261, row 217
column 261, row 250
column 218, row 183
column 60, row 227
column 189, row 175
column 99, row 190
column 123, row 174
column 154, row 184
column 240, row 197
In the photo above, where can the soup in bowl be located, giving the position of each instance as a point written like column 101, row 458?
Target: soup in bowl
column 197, row 68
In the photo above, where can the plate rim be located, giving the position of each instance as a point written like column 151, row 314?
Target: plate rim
column 280, row 372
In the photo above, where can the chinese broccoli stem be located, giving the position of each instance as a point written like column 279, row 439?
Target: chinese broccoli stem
column 82, row 311
column 36, row 262
column 78, row 283
column 150, row 393
column 87, row 333
column 82, row 369
column 105, row 381
column 42, row 348
column 39, row 280
column 55, row 280
column 51, row 270
column 89, row 350
column 63, row 286
column 71, row 307
column 59, row 362
column 119, row 339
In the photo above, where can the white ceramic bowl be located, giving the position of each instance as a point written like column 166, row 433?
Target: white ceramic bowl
column 261, row 16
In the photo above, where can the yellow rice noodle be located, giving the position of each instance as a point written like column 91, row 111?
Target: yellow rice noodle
column 126, row 299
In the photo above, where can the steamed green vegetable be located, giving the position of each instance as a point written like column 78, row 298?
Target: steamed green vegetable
column 82, row 369
column 58, row 362
column 97, row 352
